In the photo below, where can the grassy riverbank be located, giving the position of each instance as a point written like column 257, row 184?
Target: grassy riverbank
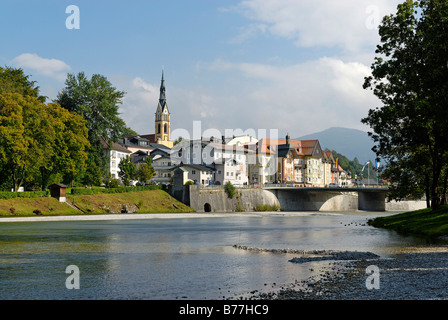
column 149, row 201
column 426, row 222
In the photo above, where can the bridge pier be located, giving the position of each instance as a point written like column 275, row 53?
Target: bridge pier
column 315, row 200
column 371, row 201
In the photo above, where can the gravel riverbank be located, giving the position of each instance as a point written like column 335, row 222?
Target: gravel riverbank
column 415, row 274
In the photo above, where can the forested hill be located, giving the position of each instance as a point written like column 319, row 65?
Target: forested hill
column 354, row 166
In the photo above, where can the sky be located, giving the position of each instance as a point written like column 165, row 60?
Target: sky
column 296, row 66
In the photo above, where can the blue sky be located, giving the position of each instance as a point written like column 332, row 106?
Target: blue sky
column 292, row 65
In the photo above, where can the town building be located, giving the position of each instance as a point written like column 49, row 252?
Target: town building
column 295, row 162
column 198, row 174
column 114, row 153
column 228, row 161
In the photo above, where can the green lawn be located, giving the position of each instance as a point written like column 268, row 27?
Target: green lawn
column 425, row 222
column 148, row 201
column 23, row 207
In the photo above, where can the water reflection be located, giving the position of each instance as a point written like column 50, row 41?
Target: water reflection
column 174, row 258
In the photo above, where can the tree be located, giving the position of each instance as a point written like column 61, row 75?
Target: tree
column 127, row 170
column 92, row 175
column 14, row 84
column 145, row 171
column 411, row 80
column 15, row 81
column 38, row 140
column 66, row 146
column 13, row 145
column 97, row 102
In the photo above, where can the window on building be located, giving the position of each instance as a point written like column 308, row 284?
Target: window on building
column 193, row 171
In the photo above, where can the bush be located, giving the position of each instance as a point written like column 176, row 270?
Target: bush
column 27, row 194
column 188, row 183
column 229, row 189
column 12, row 210
column 267, row 207
column 114, row 183
column 37, row 212
column 83, row 191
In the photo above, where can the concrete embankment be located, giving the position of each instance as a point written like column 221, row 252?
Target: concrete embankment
column 216, row 200
column 405, row 205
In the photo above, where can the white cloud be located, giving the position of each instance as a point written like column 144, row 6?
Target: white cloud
column 348, row 25
column 302, row 98
column 139, row 103
column 52, row 68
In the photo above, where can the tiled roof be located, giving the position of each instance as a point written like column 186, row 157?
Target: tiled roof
column 109, row 145
column 302, row 147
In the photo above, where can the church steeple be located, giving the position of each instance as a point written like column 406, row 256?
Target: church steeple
column 162, row 118
column 162, row 98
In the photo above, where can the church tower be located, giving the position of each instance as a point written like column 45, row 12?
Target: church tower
column 162, row 119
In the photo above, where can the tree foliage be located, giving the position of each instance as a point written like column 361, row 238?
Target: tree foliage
column 145, row 171
column 15, row 81
column 410, row 77
column 38, row 141
column 128, row 170
column 97, row 102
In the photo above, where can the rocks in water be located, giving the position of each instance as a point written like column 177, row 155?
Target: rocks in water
column 342, row 255
column 315, row 255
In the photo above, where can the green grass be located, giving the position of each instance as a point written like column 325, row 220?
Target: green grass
column 426, row 222
column 267, row 207
column 23, row 207
column 149, row 201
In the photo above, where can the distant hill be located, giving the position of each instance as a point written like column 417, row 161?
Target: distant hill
column 349, row 142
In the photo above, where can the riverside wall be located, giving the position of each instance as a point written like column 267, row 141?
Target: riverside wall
column 215, row 199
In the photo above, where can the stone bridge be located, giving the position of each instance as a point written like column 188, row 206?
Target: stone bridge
column 330, row 199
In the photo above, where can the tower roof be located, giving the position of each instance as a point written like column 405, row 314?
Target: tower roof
column 162, row 98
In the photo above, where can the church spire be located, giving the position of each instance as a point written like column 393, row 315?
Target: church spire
column 162, row 98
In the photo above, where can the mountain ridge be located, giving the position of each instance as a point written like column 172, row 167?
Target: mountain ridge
column 349, row 142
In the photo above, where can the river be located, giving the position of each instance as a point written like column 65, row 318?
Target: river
column 181, row 258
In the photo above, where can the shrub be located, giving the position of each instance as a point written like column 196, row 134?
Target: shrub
column 114, row 183
column 267, row 207
column 12, row 210
column 37, row 212
column 27, row 194
column 229, row 189
column 189, row 183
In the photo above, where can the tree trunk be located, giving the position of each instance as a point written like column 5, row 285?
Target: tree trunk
column 427, row 192
column 445, row 182
column 435, row 195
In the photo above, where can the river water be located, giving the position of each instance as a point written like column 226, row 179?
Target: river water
column 182, row 258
